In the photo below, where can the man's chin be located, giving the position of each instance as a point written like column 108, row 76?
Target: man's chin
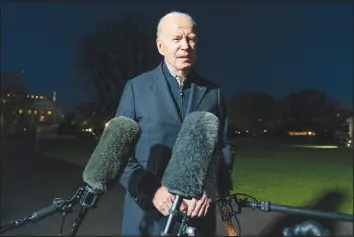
column 185, row 65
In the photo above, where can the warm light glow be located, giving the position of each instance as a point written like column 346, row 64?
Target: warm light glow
column 49, row 112
column 301, row 133
column 29, row 111
column 35, row 112
column 41, row 118
column 315, row 146
column 20, row 111
column 32, row 96
column 36, row 96
column 41, row 97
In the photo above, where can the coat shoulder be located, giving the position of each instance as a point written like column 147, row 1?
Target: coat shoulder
column 203, row 81
column 145, row 77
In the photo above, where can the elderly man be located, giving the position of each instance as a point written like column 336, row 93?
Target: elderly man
column 159, row 100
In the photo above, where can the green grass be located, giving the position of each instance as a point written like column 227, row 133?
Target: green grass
column 294, row 176
column 280, row 174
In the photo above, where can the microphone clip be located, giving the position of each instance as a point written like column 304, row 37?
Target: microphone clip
column 88, row 196
column 228, row 212
column 229, row 207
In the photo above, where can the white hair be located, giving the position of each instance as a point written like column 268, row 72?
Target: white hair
column 171, row 14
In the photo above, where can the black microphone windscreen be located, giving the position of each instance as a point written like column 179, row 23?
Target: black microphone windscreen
column 112, row 153
column 192, row 155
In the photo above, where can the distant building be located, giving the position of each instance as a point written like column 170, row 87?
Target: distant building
column 34, row 111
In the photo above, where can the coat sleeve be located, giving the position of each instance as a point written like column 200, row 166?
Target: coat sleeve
column 139, row 183
column 228, row 152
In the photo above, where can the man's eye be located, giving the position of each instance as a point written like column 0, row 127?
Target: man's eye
column 193, row 39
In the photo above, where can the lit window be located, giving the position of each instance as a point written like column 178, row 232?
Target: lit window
column 8, row 95
column 20, row 111
column 29, row 111
column 28, row 96
column 41, row 97
column 36, row 96
column 35, row 112
column 49, row 112
column 32, row 96
column 41, row 118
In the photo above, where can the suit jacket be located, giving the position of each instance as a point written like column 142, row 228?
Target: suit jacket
column 148, row 100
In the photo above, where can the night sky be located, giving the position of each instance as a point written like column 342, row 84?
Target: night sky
column 272, row 46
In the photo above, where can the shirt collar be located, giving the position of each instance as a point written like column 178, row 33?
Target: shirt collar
column 175, row 76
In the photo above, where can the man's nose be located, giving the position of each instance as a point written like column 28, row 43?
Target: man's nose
column 184, row 43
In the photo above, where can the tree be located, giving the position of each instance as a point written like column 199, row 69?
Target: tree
column 253, row 111
column 311, row 109
column 117, row 51
column 11, row 82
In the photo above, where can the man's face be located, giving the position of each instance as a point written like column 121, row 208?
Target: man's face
column 178, row 42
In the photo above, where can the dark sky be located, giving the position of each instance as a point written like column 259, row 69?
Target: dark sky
column 272, row 46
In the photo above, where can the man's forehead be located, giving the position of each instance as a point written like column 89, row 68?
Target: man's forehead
column 178, row 28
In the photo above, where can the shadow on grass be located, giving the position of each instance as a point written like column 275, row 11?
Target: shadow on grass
column 329, row 202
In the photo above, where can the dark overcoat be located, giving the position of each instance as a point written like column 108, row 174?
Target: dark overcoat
column 148, row 100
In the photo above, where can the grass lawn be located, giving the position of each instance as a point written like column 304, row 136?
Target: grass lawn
column 279, row 174
column 293, row 176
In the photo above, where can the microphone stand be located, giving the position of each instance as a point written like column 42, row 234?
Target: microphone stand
column 174, row 214
column 78, row 221
column 267, row 207
column 226, row 204
column 59, row 205
column 174, row 211
column 86, row 197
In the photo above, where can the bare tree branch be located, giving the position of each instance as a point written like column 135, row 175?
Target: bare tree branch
column 117, row 51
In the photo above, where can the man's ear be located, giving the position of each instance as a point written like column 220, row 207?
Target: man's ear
column 160, row 47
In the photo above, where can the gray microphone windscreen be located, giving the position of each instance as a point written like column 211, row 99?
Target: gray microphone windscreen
column 192, row 155
column 112, row 153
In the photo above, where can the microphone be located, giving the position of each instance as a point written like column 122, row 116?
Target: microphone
column 107, row 163
column 192, row 156
column 112, row 153
column 101, row 172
